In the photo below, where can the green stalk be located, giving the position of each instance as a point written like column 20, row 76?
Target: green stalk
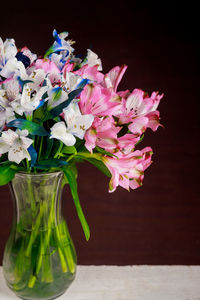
column 59, row 150
column 30, row 192
column 34, row 232
column 43, row 259
column 40, row 148
column 63, row 248
column 62, row 228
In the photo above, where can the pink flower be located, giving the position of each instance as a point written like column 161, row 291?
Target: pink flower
column 103, row 133
column 91, row 73
column 128, row 169
column 126, row 143
column 113, row 77
column 140, row 110
column 99, row 101
column 47, row 65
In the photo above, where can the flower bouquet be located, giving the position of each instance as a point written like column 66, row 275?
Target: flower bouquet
column 57, row 111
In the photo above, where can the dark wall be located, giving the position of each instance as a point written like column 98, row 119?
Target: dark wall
column 159, row 223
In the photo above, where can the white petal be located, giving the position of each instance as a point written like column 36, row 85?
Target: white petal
column 68, row 139
column 26, row 97
column 134, row 101
column 81, row 124
column 10, row 116
column 37, row 76
column 69, row 115
column 3, row 146
column 17, row 107
column 12, row 89
column 22, row 132
column 2, row 118
column 10, row 49
column 59, row 131
column 92, row 59
column 26, row 142
column 9, row 136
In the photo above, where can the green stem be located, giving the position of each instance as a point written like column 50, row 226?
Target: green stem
column 59, row 150
column 40, row 148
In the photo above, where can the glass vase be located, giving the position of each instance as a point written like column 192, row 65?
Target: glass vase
column 39, row 258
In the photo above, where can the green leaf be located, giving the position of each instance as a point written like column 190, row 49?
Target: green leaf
column 95, row 159
column 74, row 190
column 6, row 174
column 38, row 114
column 100, row 165
column 74, row 170
column 69, row 150
column 33, row 128
column 49, row 146
column 88, row 155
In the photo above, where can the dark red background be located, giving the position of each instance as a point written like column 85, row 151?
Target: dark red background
column 158, row 223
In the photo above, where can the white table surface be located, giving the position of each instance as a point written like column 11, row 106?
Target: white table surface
column 128, row 283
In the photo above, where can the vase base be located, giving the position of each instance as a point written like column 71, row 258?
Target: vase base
column 52, row 298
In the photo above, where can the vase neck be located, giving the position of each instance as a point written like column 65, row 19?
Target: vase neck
column 37, row 199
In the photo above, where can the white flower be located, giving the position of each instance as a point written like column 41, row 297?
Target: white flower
column 16, row 144
column 59, row 131
column 14, row 67
column 77, row 124
column 93, row 60
column 28, row 101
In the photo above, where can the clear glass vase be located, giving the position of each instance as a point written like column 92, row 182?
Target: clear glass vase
column 39, row 258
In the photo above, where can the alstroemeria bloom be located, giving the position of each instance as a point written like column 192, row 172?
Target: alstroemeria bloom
column 77, row 124
column 12, row 89
column 16, row 144
column 47, row 65
column 103, row 133
column 99, row 101
column 140, row 110
column 30, row 102
column 90, row 73
column 13, row 67
column 61, row 49
column 126, row 143
column 128, row 170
